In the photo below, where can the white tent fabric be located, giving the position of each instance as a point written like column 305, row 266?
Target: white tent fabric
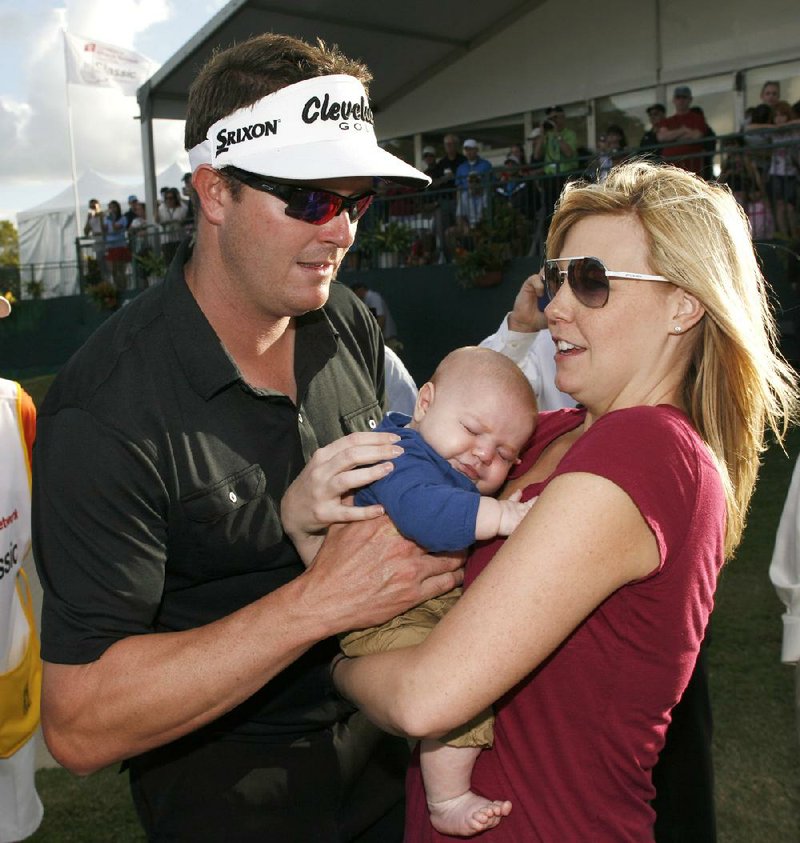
column 47, row 231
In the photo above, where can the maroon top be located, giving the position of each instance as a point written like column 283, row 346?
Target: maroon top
column 692, row 151
column 575, row 742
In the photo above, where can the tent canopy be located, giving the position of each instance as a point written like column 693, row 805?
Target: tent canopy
column 47, row 231
column 402, row 45
column 93, row 185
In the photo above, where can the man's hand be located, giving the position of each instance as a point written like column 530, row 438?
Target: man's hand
column 526, row 316
column 321, row 494
column 367, row 572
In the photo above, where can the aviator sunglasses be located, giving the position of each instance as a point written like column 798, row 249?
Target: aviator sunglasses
column 588, row 279
column 309, row 204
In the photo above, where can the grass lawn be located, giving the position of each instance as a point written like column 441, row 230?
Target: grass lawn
column 757, row 756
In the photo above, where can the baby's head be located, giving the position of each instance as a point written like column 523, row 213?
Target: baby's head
column 477, row 412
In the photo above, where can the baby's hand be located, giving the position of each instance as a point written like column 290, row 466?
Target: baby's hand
column 512, row 511
column 500, row 518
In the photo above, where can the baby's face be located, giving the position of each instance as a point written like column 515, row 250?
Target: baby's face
column 479, row 432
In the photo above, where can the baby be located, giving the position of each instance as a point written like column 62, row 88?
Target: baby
column 469, row 424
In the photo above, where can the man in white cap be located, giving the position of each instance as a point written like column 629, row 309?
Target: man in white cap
column 474, row 165
column 181, row 632
column 20, row 666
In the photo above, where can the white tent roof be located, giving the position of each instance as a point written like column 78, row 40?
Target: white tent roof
column 47, row 231
column 93, row 185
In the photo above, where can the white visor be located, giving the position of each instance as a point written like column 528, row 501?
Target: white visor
column 319, row 128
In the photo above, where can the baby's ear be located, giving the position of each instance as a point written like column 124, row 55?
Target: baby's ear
column 424, row 401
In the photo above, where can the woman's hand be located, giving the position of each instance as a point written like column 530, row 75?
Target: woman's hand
column 321, row 494
column 526, row 317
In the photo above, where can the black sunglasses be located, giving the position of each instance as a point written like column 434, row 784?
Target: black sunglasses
column 588, row 279
column 309, row 204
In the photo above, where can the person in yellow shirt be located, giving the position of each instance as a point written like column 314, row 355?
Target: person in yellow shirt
column 20, row 666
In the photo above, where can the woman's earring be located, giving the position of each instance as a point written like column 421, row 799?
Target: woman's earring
column 678, row 329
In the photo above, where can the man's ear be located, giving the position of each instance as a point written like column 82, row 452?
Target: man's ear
column 424, row 401
column 212, row 191
column 688, row 311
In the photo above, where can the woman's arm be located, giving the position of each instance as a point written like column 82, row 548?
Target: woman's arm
column 582, row 541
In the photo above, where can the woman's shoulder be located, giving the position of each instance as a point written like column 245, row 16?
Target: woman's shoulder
column 659, row 443
column 658, row 415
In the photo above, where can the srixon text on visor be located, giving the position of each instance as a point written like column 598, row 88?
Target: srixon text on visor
column 313, row 110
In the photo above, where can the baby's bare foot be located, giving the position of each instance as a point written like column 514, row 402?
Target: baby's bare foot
column 467, row 814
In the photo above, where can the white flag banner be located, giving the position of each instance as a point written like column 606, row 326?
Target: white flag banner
column 103, row 65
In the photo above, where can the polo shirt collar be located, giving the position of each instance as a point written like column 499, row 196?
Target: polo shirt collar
column 205, row 360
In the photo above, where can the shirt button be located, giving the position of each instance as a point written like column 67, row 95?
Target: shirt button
column 232, row 496
column 372, row 424
column 300, row 417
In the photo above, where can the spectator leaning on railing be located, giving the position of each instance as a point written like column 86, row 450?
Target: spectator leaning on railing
column 649, row 145
column 783, row 169
column 683, row 130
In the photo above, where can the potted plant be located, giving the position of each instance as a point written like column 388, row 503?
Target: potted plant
column 482, row 265
column 34, row 289
column 104, row 294
column 489, row 246
column 152, row 266
column 390, row 241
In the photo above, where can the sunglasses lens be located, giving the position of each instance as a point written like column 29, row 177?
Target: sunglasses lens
column 587, row 277
column 552, row 279
column 319, row 206
column 359, row 207
column 314, row 206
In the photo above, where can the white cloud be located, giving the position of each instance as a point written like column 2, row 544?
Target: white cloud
column 33, row 97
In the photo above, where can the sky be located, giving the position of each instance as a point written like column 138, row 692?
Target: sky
column 35, row 164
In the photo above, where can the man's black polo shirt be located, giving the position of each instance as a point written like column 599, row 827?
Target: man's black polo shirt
column 158, row 474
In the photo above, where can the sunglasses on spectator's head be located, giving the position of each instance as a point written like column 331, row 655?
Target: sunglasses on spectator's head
column 587, row 277
column 309, row 204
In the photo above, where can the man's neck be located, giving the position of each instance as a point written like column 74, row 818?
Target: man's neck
column 262, row 346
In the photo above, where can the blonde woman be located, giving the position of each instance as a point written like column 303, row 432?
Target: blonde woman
column 584, row 626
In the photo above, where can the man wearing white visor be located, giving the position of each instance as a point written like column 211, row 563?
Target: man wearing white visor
column 181, row 633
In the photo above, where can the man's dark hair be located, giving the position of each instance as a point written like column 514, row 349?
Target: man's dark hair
column 762, row 114
column 245, row 73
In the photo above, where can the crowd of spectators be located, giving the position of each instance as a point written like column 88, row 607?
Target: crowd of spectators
column 760, row 163
column 127, row 249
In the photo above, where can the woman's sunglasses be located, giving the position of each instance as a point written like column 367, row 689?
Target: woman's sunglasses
column 587, row 277
column 309, row 204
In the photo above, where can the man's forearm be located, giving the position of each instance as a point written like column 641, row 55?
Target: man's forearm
column 148, row 690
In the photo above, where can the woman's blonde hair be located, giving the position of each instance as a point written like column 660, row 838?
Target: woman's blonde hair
column 737, row 384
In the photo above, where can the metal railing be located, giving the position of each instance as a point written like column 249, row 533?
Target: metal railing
column 434, row 226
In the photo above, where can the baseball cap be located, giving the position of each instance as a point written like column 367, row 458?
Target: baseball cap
column 682, row 91
column 320, row 128
column 428, row 150
column 470, row 142
column 132, row 198
column 5, row 307
column 656, row 107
